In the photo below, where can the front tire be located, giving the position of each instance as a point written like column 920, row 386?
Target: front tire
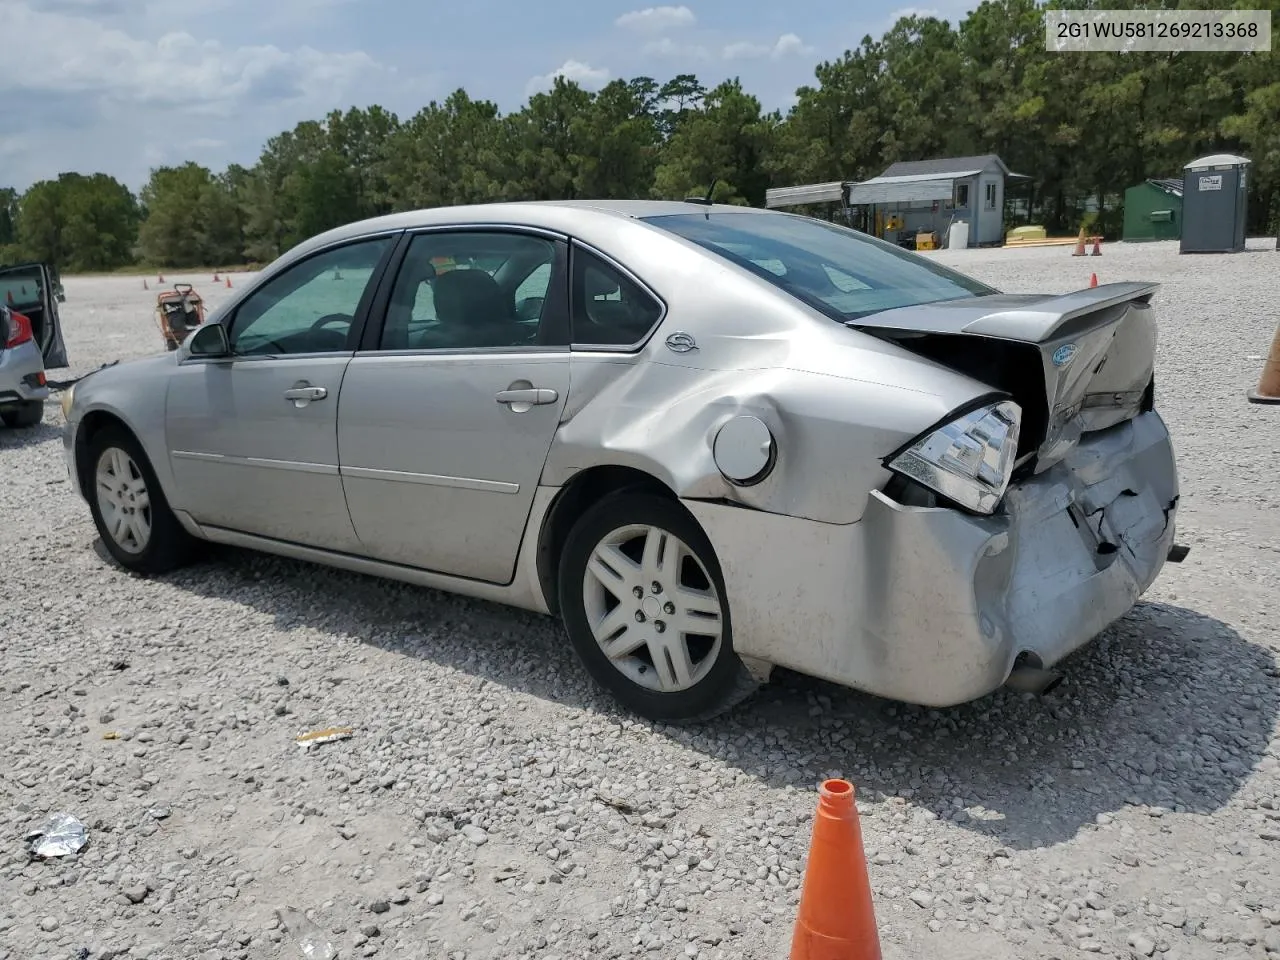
column 644, row 605
column 129, row 509
column 28, row 413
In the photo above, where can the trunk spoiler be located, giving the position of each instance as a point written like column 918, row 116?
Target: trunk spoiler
column 1032, row 319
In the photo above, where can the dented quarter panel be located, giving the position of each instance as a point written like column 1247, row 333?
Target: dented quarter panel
column 932, row 606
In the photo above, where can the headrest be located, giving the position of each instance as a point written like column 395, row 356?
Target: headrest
column 598, row 284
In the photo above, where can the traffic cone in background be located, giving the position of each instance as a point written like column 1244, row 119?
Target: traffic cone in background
column 215, row 277
column 228, row 281
column 1079, row 250
column 1268, row 389
column 1097, row 247
column 836, row 919
column 144, row 284
column 1093, row 280
column 159, row 278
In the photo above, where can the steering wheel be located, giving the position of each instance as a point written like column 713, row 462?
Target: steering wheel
column 332, row 318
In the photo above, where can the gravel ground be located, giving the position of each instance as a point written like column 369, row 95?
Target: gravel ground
column 492, row 804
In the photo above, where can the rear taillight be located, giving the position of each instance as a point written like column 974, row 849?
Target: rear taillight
column 17, row 330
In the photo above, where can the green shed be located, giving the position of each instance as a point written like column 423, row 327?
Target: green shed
column 1153, row 210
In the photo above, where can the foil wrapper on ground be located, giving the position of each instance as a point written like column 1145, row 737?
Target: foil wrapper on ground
column 313, row 739
column 60, row 836
column 311, row 941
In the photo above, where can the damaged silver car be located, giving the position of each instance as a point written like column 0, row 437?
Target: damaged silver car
column 713, row 440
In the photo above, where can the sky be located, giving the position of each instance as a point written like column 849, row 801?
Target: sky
column 123, row 86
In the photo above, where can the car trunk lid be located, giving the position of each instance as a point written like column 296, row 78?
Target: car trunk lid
column 32, row 290
column 1075, row 362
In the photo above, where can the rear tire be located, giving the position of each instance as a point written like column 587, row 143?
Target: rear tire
column 28, row 413
column 129, row 509
column 643, row 602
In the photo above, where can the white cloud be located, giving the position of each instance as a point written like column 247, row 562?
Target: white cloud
column 657, row 19
column 670, row 50
column 122, row 85
column 583, row 74
column 80, row 56
column 787, row 45
column 920, row 12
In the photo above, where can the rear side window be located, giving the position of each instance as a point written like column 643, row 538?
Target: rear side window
column 609, row 308
column 838, row 271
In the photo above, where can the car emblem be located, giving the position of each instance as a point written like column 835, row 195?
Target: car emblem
column 1064, row 354
column 681, row 342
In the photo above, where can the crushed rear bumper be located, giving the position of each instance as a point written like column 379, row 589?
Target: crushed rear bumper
column 933, row 606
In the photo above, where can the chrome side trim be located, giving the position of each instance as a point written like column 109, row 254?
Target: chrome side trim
column 298, row 466
column 516, row 594
column 429, row 479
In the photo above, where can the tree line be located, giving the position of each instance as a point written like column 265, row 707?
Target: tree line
column 1083, row 127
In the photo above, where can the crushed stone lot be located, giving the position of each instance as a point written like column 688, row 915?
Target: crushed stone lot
column 492, row 804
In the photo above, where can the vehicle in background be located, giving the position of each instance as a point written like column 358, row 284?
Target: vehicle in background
column 30, row 340
column 712, row 439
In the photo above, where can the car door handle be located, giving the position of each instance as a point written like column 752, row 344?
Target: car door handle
column 306, row 393
column 537, row 395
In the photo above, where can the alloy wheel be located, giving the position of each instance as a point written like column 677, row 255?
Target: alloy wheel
column 652, row 608
column 123, row 500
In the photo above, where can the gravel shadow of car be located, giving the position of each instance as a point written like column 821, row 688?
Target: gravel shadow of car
column 15, row 438
column 1168, row 708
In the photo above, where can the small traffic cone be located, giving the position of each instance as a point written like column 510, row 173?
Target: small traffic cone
column 144, row 284
column 1268, row 389
column 1097, row 246
column 1093, row 280
column 159, row 278
column 836, row 919
column 1079, row 250
column 228, row 281
column 215, row 277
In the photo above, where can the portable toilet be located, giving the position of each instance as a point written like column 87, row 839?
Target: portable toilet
column 1213, row 204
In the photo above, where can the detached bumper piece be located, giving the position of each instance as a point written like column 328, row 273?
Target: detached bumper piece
column 1178, row 552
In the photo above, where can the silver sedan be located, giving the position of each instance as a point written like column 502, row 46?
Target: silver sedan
column 713, row 440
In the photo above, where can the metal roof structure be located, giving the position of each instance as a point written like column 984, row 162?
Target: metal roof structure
column 901, row 182
column 956, row 167
column 904, row 189
column 809, row 193
column 1168, row 186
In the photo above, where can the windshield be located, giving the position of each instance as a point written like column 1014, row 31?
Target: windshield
column 841, row 272
column 20, row 287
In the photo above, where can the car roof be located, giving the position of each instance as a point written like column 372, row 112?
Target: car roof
column 566, row 216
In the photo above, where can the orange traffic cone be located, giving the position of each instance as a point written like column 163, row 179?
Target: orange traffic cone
column 1097, row 247
column 215, row 277
column 836, row 920
column 228, row 281
column 1268, row 389
column 1079, row 250
column 1093, row 280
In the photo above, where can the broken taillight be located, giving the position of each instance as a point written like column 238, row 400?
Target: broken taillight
column 17, row 329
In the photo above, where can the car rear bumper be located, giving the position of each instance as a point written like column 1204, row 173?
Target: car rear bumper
column 22, row 375
column 933, row 606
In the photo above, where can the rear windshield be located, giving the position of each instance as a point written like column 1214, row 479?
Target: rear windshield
column 21, row 287
column 841, row 272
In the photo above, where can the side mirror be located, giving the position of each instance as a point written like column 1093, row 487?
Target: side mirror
column 207, row 341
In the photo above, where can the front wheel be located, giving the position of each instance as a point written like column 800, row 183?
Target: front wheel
column 643, row 601
column 129, row 508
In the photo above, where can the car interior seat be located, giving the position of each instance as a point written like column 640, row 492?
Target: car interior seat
column 613, row 318
column 474, row 311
